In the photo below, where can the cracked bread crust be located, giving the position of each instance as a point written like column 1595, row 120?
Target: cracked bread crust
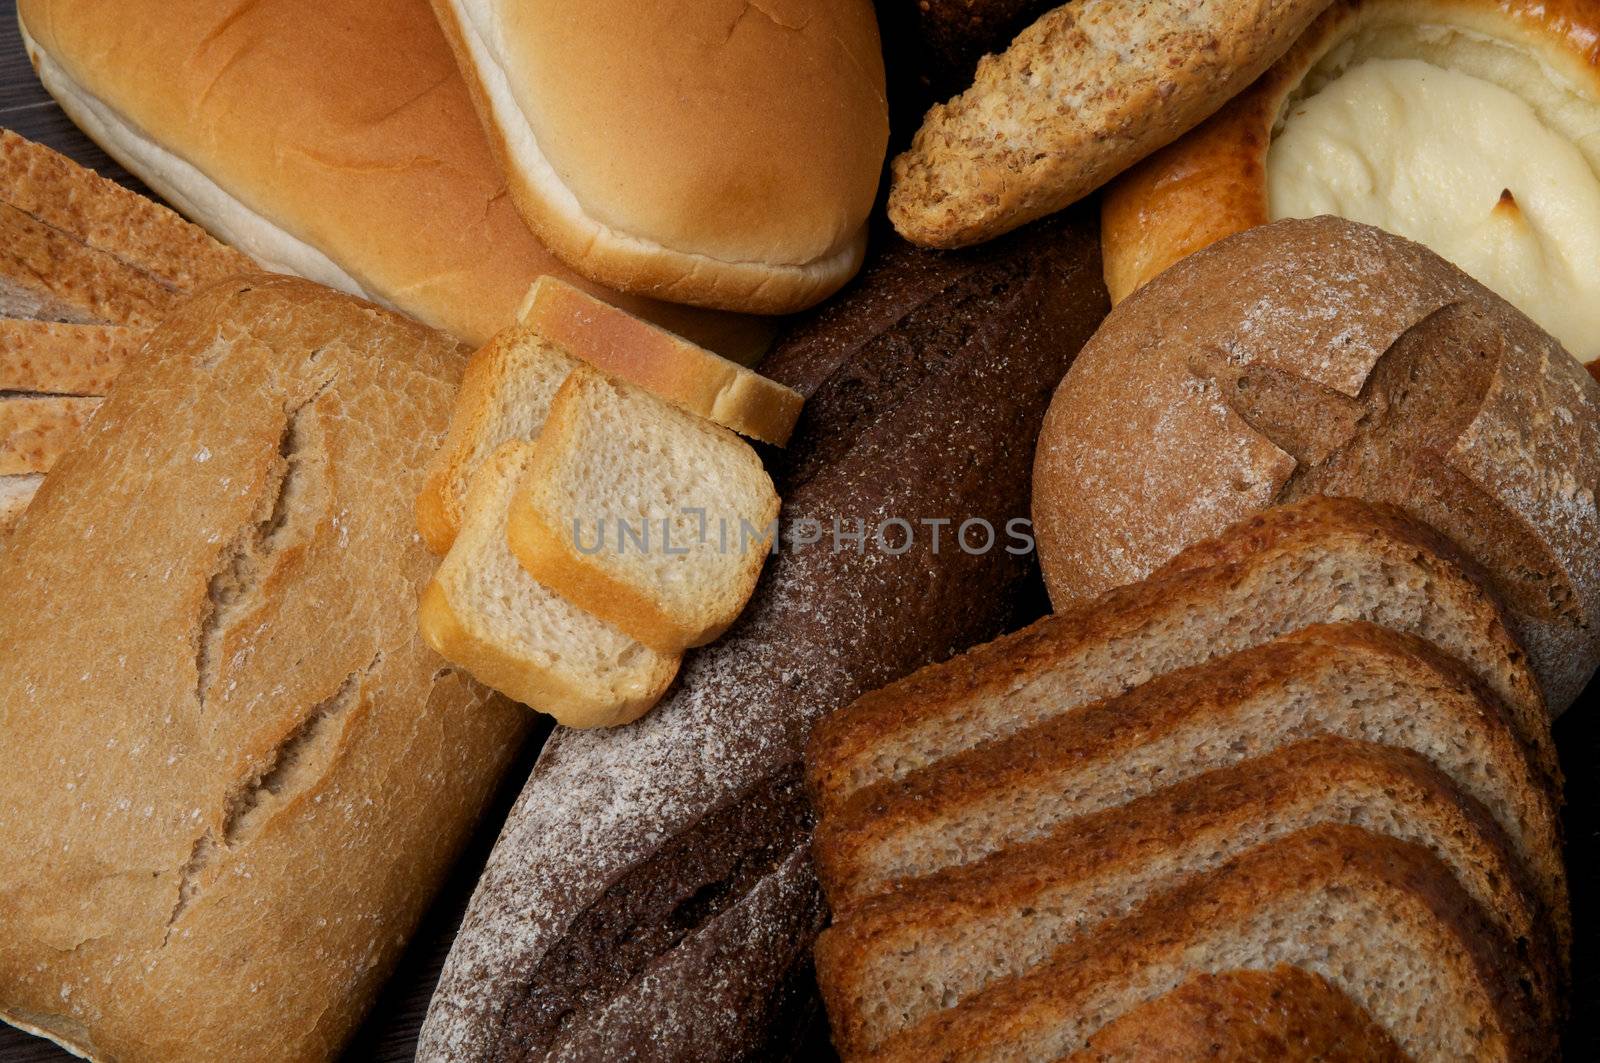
column 1101, row 648
column 1316, row 899
column 1098, row 866
column 248, row 774
column 1082, row 94
column 1325, row 357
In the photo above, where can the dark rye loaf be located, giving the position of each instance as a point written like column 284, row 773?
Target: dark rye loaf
column 651, row 892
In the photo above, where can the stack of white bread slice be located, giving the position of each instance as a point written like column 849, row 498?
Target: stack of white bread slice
column 597, row 512
column 1299, row 780
column 86, row 268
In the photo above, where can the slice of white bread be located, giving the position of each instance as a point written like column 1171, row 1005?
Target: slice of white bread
column 1381, row 920
column 668, row 365
column 504, row 398
column 35, row 430
column 484, row 613
column 1285, row 1015
column 652, row 519
column 1318, row 561
column 1352, row 680
column 934, row 941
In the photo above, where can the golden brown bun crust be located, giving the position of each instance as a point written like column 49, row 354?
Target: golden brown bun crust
column 713, row 152
column 341, row 122
column 248, row 774
column 1208, row 377
column 1212, row 182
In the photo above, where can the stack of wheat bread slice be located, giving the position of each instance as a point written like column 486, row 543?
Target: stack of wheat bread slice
column 86, row 268
column 1304, row 768
column 588, row 501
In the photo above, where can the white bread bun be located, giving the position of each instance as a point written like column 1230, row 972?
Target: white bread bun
column 332, row 139
column 1467, row 125
column 717, row 152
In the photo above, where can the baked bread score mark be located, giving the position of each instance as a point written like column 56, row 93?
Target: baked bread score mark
column 1466, row 125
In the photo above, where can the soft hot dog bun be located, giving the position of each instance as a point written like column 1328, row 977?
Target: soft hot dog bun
column 714, row 152
column 333, row 139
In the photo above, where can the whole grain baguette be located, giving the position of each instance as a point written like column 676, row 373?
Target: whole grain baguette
column 1381, row 920
column 933, row 941
column 248, row 775
column 1085, row 92
column 646, row 848
column 1350, row 680
column 1285, row 1015
column 1316, row 561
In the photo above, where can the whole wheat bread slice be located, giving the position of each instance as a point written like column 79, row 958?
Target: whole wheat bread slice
column 1318, row 561
column 48, row 358
column 1381, row 920
column 651, row 518
column 35, row 430
column 902, row 955
column 1353, row 680
column 1285, row 1015
column 484, row 613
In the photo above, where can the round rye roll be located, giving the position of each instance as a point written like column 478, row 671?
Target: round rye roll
column 1323, row 357
column 1468, row 125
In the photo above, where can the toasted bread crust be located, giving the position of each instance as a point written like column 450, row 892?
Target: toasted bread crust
column 1309, row 778
column 54, row 359
column 36, row 431
column 1119, row 80
column 1285, row 1015
column 1403, row 883
column 844, row 746
column 682, row 372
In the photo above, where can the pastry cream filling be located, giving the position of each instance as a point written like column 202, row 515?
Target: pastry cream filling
column 1459, row 164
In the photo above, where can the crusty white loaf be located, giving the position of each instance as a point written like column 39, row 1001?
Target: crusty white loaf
column 713, row 152
column 245, row 773
column 332, row 139
column 1322, row 357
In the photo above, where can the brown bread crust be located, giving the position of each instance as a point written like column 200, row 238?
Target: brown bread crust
column 1320, row 780
column 1322, row 357
column 1285, row 1015
column 1400, row 883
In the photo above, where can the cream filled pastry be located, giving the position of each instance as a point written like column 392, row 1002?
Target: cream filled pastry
column 1471, row 126
column 1459, row 164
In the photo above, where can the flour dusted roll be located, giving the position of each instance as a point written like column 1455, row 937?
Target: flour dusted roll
column 1467, row 125
column 713, row 152
column 332, row 139
column 1323, row 357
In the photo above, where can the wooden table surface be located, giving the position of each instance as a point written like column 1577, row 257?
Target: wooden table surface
column 390, row 1032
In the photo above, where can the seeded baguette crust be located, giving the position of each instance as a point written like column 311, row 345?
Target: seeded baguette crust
column 672, row 367
column 678, row 601
column 999, row 688
column 1085, row 92
column 928, row 941
column 452, row 620
column 48, row 358
column 1211, row 715
column 36, row 430
column 1285, row 1015
column 1357, row 909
